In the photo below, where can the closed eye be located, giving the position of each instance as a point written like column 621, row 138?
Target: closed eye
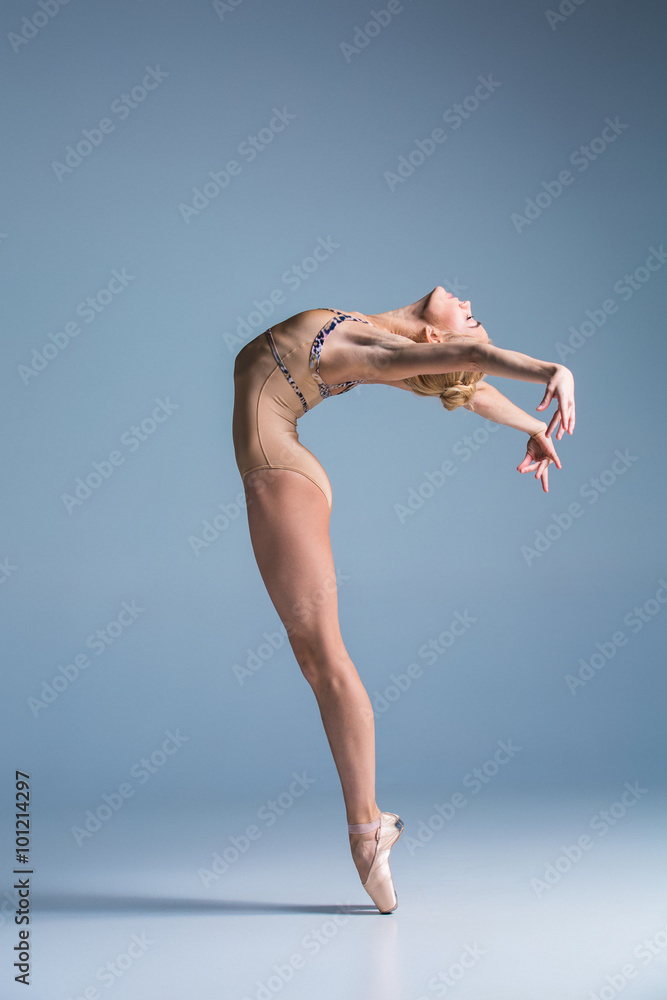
column 477, row 323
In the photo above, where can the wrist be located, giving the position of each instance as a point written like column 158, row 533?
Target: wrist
column 539, row 429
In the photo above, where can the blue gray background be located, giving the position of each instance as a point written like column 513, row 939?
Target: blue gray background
column 170, row 332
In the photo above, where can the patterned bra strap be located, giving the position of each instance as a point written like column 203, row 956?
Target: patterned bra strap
column 314, row 360
column 269, row 337
column 343, row 315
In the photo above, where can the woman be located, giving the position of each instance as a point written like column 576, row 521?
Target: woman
column 433, row 347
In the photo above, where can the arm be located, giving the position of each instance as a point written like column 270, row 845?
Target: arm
column 391, row 358
column 468, row 354
column 376, row 354
column 492, row 405
column 559, row 381
column 396, row 358
column 540, row 450
column 511, row 364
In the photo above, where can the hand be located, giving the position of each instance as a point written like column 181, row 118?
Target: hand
column 540, row 452
column 560, row 386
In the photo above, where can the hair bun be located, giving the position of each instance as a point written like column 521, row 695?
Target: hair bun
column 452, row 388
column 458, row 394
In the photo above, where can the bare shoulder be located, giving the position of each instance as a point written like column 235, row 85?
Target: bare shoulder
column 348, row 331
column 360, row 350
column 351, row 351
column 355, row 351
column 304, row 324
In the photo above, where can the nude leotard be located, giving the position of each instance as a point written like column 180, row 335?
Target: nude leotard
column 274, row 385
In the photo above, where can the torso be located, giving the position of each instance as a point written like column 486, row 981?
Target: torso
column 342, row 354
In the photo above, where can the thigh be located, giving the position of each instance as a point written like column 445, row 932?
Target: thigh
column 288, row 517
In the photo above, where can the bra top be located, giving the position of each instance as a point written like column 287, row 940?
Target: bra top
column 314, row 360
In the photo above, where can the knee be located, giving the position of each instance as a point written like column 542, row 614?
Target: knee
column 307, row 647
column 320, row 663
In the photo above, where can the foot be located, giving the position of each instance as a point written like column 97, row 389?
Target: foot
column 363, row 847
column 370, row 844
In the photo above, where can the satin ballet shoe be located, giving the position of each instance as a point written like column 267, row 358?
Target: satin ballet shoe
column 379, row 884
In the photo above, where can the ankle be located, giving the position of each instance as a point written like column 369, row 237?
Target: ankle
column 363, row 819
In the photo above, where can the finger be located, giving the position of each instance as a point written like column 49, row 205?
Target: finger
column 553, row 455
column 548, row 395
column 529, row 458
column 553, row 423
column 545, row 480
column 567, row 409
column 542, row 471
column 550, row 448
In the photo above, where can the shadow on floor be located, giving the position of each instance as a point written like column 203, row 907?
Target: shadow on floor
column 81, row 903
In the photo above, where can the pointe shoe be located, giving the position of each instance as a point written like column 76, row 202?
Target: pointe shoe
column 379, row 884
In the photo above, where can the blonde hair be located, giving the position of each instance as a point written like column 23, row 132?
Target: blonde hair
column 453, row 388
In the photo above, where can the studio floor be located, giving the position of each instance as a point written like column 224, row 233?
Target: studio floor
column 529, row 897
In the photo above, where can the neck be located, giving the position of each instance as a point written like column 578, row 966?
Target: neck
column 407, row 321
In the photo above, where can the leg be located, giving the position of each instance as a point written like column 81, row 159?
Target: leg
column 288, row 517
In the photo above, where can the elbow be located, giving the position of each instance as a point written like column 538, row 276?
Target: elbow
column 385, row 362
column 478, row 396
column 475, row 355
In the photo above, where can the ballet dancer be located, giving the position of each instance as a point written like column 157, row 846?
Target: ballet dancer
column 433, row 347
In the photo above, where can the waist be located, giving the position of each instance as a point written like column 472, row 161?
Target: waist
column 260, row 369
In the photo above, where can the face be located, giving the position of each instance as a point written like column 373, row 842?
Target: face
column 445, row 311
